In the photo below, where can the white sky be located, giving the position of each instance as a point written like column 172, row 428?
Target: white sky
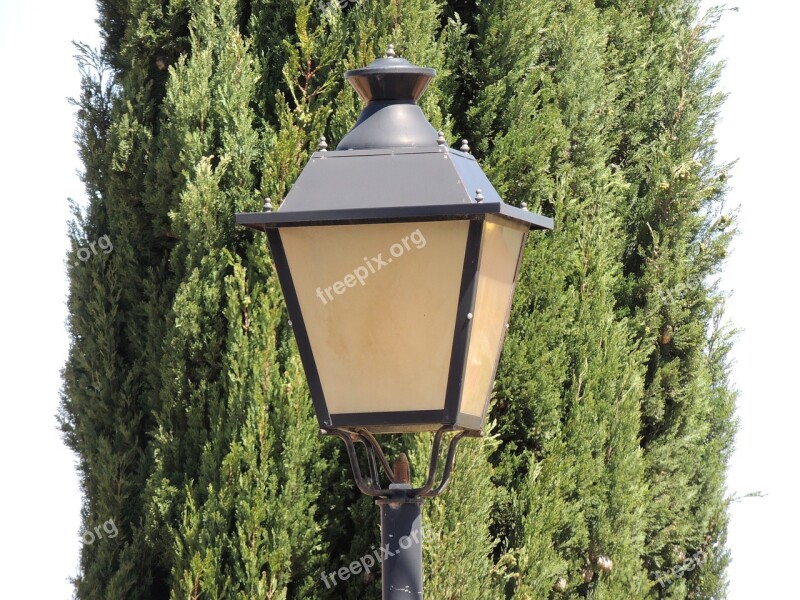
column 761, row 127
column 40, row 500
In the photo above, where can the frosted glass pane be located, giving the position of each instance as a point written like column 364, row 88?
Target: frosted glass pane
column 379, row 303
column 500, row 249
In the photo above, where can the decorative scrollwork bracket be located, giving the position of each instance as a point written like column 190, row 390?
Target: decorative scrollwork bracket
column 397, row 475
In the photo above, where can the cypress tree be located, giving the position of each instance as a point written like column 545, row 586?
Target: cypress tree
column 112, row 372
column 677, row 231
column 568, row 393
column 602, row 465
column 237, row 471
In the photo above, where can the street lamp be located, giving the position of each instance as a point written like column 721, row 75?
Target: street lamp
column 398, row 261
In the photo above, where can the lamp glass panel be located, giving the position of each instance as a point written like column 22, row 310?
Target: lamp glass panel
column 379, row 304
column 501, row 246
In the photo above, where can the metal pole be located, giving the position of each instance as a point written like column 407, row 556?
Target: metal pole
column 401, row 546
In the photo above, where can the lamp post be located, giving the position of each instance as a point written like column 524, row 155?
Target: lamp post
column 398, row 261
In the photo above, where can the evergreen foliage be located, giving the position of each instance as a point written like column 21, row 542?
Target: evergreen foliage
column 602, row 470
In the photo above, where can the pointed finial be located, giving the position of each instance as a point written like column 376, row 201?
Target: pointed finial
column 402, row 472
column 390, row 52
column 464, row 146
column 440, row 140
column 479, row 195
column 323, row 144
column 267, row 204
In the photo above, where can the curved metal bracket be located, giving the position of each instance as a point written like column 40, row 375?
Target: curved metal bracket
column 375, row 457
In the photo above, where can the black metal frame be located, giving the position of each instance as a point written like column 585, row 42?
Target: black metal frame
column 423, row 420
column 376, row 458
column 264, row 221
column 463, row 329
column 399, row 421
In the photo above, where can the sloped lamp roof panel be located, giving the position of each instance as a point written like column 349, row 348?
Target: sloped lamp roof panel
column 363, row 186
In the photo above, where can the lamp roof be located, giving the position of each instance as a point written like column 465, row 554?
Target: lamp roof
column 393, row 165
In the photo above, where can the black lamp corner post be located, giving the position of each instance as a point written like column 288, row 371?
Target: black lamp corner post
column 398, row 262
